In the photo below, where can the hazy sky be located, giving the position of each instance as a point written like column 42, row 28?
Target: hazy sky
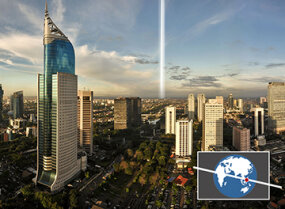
column 214, row 46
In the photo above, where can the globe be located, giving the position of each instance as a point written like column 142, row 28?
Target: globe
column 233, row 174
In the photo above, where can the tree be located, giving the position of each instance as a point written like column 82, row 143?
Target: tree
column 129, row 171
column 73, row 201
column 161, row 160
column 27, row 190
column 130, row 153
column 158, row 203
column 87, row 174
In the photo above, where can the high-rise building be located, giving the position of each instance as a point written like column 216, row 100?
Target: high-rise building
column 57, row 111
column 1, row 102
column 262, row 100
column 184, row 138
column 127, row 113
column 17, row 104
column 191, row 106
column 212, row 125
column 240, row 105
column 220, row 100
column 85, row 120
column 201, row 99
column 230, row 101
column 170, row 119
column 276, row 106
column 258, row 120
column 241, row 138
column 235, row 103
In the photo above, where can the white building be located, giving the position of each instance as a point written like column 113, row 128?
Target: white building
column 258, row 120
column 201, row 99
column 184, row 138
column 212, row 125
column 170, row 119
column 85, row 120
column 240, row 105
column 191, row 106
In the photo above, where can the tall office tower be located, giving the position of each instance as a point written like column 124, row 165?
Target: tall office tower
column 170, row 119
column 17, row 104
column 230, row 101
column 240, row 105
column 1, row 102
column 262, row 100
column 241, row 138
column 191, row 106
column 184, row 138
column 57, row 110
column 212, row 125
column 276, row 107
column 127, row 113
column 235, row 103
column 258, row 120
column 85, row 120
column 220, row 100
column 201, row 99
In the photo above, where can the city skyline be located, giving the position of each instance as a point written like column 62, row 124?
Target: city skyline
column 117, row 54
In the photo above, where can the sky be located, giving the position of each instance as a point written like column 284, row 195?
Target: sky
column 214, row 47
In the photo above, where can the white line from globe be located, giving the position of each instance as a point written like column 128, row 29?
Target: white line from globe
column 241, row 178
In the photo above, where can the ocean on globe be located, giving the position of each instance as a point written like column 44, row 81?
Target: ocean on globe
column 239, row 166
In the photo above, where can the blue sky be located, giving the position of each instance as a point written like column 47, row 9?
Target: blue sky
column 216, row 46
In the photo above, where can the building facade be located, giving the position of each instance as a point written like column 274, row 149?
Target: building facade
column 170, row 120
column 276, row 107
column 258, row 121
column 220, row 100
column 191, row 106
column 85, row 120
column 212, row 125
column 184, row 138
column 17, row 104
column 201, row 99
column 57, row 111
column 230, row 101
column 127, row 113
column 241, row 138
column 240, row 105
column 1, row 102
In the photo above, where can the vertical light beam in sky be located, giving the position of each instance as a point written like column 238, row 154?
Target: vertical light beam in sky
column 162, row 48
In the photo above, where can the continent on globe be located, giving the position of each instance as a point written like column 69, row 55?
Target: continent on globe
column 232, row 176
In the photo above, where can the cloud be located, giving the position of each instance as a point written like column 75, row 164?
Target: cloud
column 202, row 82
column 58, row 14
column 274, row 65
column 145, row 61
column 31, row 15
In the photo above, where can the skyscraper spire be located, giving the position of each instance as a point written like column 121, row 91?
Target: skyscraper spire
column 46, row 9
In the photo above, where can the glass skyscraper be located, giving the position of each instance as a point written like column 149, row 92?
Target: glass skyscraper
column 57, row 110
column 1, row 101
column 17, row 104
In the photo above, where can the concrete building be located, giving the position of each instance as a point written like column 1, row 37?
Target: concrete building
column 1, row 102
column 212, row 125
column 276, row 107
column 85, row 120
column 184, row 138
column 258, row 120
column 31, row 131
column 170, row 119
column 127, row 113
column 241, row 138
column 201, row 99
column 262, row 100
column 57, row 111
column 240, row 105
column 230, row 101
column 191, row 106
column 220, row 100
column 17, row 104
